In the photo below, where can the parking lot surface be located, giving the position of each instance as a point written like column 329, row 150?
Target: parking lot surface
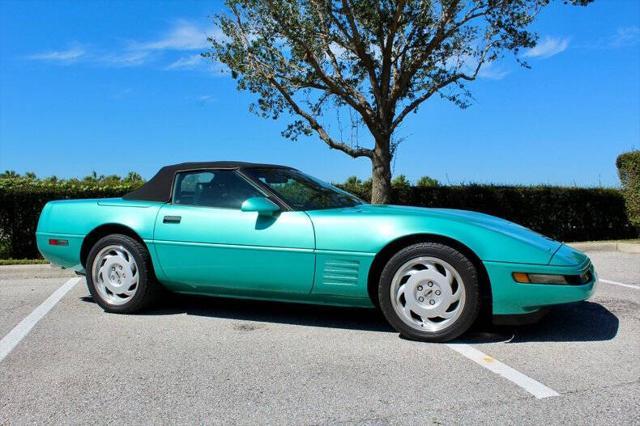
column 222, row 361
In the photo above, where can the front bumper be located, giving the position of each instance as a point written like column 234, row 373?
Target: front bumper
column 513, row 298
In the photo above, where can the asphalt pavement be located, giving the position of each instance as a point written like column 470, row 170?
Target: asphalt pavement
column 222, row 361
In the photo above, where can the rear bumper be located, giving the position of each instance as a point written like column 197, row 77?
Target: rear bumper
column 513, row 298
column 66, row 256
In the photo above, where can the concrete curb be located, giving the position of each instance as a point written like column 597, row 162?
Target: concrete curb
column 8, row 272
column 607, row 246
column 23, row 266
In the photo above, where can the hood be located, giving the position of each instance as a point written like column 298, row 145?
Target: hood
column 485, row 221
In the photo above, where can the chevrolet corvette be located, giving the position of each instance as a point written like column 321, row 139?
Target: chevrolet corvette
column 260, row 231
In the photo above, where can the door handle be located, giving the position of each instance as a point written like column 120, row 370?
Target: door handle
column 171, row 219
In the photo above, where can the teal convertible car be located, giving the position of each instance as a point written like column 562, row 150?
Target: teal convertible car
column 262, row 231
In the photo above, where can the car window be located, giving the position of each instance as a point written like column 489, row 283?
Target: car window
column 217, row 188
column 302, row 192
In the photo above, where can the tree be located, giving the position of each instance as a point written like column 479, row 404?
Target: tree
column 400, row 182
column 426, row 181
column 628, row 165
column 357, row 186
column 133, row 177
column 377, row 59
column 401, row 188
column 9, row 174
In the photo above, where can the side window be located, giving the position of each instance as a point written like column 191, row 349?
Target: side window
column 212, row 188
column 296, row 193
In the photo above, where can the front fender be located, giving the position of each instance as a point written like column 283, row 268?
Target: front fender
column 370, row 228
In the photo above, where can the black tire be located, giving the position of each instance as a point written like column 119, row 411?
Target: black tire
column 467, row 273
column 148, row 289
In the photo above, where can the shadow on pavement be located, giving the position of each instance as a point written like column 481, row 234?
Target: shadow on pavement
column 273, row 312
column 577, row 322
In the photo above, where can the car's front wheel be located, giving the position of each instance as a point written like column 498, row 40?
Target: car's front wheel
column 120, row 275
column 429, row 292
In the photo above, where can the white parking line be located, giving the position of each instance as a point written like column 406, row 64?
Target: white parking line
column 637, row 287
column 532, row 386
column 11, row 340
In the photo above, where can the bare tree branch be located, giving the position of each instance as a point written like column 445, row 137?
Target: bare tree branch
column 354, row 152
column 379, row 59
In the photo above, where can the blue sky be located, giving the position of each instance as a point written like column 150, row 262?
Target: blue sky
column 117, row 86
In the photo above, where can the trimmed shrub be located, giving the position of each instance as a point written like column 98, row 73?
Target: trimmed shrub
column 22, row 200
column 565, row 214
column 568, row 214
column 629, row 172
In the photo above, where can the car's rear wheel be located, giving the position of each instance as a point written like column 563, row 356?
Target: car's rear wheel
column 120, row 275
column 429, row 292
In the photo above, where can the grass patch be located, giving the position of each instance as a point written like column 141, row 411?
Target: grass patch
column 4, row 262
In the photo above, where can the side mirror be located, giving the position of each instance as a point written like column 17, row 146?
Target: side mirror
column 262, row 205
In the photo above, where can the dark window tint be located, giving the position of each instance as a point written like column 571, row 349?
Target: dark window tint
column 212, row 188
column 303, row 192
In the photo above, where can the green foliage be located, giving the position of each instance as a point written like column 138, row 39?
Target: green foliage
column 569, row 214
column 372, row 62
column 374, row 56
column 629, row 172
column 566, row 214
column 357, row 186
column 23, row 197
column 9, row 174
column 426, row 181
column 401, row 186
column 400, row 182
column 4, row 262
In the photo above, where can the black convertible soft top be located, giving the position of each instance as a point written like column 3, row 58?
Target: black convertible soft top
column 158, row 188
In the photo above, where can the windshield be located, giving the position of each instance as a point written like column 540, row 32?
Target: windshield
column 303, row 192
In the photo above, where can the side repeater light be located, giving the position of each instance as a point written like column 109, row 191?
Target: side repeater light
column 57, row 242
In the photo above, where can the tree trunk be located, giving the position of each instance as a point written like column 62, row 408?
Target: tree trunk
column 381, row 174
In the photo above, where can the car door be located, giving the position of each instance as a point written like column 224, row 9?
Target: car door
column 205, row 242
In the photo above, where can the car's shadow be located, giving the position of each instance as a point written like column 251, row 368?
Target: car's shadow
column 575, row 322
column 583, row 321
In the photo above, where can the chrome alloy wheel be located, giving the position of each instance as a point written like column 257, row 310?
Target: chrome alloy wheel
column 427, row 294
column 115, row 275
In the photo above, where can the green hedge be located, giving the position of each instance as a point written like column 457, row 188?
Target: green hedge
column 22, row 200
column 568, row 214
column 629, row 171
column 565, row 214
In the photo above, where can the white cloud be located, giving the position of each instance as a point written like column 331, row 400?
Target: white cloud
column 625, row 36
column 490, row 71
column 548, row 47
column 205, row 99
column 60, row 56
column 468, row 64
column 183, row 36
column 125, row 59
column 186, row 63
column 197, row 62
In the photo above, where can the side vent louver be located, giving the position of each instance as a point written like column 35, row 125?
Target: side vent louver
column 341, row 272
